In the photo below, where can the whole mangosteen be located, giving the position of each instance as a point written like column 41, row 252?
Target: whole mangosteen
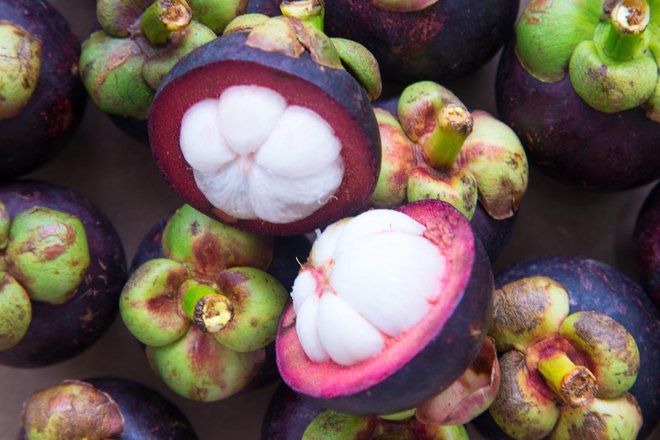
column 201, row 300
column 580, row 349
column 41, row 97
column 580, row 87
column 647, row 244
column 390, row 308
column 265, row 129
column 140, row 40
column 436, row 149
column 103, row 408
column 62, row 268
column 425, row 39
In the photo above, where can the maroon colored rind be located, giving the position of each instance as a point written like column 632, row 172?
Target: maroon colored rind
column 288, row 415
column 647, row 243
column 51, row 116
column 270, row 8
column 570, row 140
column 448, row 354
column 303, row 82
column 443, row 41
column 59, row 332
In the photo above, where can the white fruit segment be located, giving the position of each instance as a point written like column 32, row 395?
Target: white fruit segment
column 255, row 157
column 368, row 278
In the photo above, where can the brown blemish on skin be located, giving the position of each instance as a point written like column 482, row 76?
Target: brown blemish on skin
column 518, row 308
column 535, row 10
column 592, row 427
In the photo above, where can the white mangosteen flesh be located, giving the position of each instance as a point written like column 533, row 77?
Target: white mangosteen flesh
column 255, row 157
column 368, row 280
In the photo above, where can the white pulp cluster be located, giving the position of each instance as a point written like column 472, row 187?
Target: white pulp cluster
column 368, row 278
column 255, row 157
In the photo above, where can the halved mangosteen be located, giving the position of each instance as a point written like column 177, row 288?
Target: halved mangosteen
column 390, row 308
column 266, row 130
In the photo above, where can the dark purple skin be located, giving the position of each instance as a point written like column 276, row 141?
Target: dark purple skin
column 445, row 40
column 288, row 415
column 570, row 140
column 147, row 414
column 594, row 286
column 59, row 332
column 135, row 128
column 647, row 244
column 52, row 115
column 270, row 8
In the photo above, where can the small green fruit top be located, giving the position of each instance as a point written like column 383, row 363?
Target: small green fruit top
column 610, row 49
column 560, row 369
column 141, row 40
column 211, row 290
column 438, row 150
column 300, row 29
column 44, row 256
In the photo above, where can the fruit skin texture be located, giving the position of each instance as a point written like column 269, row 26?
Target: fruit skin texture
column 41, row 129
column 146, row 413
column 58, row 332
column 647, row 244
column 287, row 415
column 443, row 41
column 594, row 286
column 332, row 93
column 572, row 141
column 456, row 343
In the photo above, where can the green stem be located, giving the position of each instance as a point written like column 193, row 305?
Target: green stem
column 625, row 37
column 208, row 309
column 454, row 126
column 574, row 384
column 308, row 11
column 162, row 18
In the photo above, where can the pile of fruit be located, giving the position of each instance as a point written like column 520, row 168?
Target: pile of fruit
column 300, row 220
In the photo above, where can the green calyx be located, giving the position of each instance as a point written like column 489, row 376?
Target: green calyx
column 308, row 11
column 332, row 425
column 20, row 52
column 160, row 20
column 455, row 186
column 360, row 63
column 47, row 253
column 15, row 311
column 5, row 223
column 609, row 49
column 215, row 14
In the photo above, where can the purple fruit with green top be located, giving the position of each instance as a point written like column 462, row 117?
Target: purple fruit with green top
column 62, row 269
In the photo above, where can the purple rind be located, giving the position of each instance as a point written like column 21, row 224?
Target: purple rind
column 494, row 234
column 288, row 415
column 445, row 40
column 59, row 332
column 595, row 286
column 270, row 8
column 133, row 127
column 55, row 110
column 572, row 141
column 647, row 244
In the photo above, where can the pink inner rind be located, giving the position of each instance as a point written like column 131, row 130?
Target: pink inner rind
column 449, row 230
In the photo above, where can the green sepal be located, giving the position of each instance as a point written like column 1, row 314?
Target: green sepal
column 215, row 14
column 309, row 11
column 118, row 17
column 207, row 247
column 15, row 311
column 652, row 106
column 609, row 85
column 150, row 303
column 276, row 34
column 20, row 52
column 318, row 44
column 548, row 32
column 47, row 253
column 455, row 186
column 244, row 23
column 440, row 432
column 111, row 69
column 332, row 425
column 199, row 368
column 5, row 222
column 258, row 300
column 360, row 63
column 399, row 416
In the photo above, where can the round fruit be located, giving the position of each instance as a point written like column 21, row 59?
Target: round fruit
column 647, row 243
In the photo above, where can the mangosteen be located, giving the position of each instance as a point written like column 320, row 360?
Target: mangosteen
column 436, row 149
column 266, row 129
column 62, row 268
column 103, row 408
column 204, row 305
column 123, row 63
column 594, row 370
column 580, row 87
column 288, row 415
column 41, row 97
column 647, row 244
column 390, row 308
column 425, row 39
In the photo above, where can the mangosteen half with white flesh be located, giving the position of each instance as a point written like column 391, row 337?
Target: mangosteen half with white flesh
column 266, row 129
column 390, row 309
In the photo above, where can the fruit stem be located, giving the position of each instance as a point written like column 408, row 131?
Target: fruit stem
column 208, row 309
column 454, row 126
column 574, row 384
column 625, row 38
column 162, row 18
column 308, row 11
